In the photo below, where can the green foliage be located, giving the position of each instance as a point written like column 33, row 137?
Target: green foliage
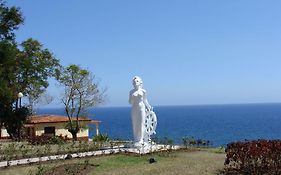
column 46, row 139
column 24, row 68
column 10, row 19
column 8, row 85
column 191, row 141
column 14, row 122
column 71, row 125
column 36, row 66
column 101, row 138
column 40, row 170
column 164, row 140
column 81, row 92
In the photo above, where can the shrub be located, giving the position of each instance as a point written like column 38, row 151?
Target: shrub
column 101, row 138
column 191, row 141
column 46, row 139
column 58, row 140
column 166, row 141
column 254, row 157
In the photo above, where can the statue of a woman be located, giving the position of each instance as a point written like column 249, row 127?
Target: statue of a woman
column 139, row 107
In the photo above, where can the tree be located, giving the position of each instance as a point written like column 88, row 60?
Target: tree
column 23, row 68
column 10, row 19
column 36, row 66
column 81, row 92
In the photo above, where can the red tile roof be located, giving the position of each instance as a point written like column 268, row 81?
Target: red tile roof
column 53, row 119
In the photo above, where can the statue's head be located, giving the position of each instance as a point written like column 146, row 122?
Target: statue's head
column 137, row 82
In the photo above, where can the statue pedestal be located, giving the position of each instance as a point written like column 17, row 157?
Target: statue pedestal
column 149, row 148
column 140, row 145
column 142, row 148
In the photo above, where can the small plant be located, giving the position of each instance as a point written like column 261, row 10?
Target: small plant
column 47, row 150
column 101, row 138
column 167, row 142
column 59, row 149
column 86, row 163
column 39, row 153
column 94, row 146
column 24, row 151
column 10, row 151
column 40, row 170
column 154, row 139
column 191, row 142
column 83, row 146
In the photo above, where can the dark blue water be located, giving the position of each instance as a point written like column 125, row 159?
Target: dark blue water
column 220, row 124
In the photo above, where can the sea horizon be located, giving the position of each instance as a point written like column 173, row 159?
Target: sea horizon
column 211, row 104
column 220, row 124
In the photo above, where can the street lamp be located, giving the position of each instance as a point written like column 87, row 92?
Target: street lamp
column 20, row 95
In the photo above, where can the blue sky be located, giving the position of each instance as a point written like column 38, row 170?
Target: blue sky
column 186, row 51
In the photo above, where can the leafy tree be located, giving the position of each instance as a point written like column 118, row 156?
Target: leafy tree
column 36, row 66
column 23, row 68
column 10, row 19
column 81, row 92
column 15, row 122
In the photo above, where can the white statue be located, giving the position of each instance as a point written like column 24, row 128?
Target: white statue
column 144, row 120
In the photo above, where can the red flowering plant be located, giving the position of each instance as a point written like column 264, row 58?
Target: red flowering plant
column 254, row 157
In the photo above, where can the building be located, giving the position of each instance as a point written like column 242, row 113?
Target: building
column 54, row 125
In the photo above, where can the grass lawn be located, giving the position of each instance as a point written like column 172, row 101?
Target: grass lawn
column 178, row 162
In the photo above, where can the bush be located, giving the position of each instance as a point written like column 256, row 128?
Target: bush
column 101, row 138
column 254, row 157
column 166, row 141
column 46, row 139
column 191, row 141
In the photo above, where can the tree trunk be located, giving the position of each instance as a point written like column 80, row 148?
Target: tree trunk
column 74, row 134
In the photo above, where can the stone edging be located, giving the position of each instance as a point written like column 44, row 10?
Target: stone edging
column 144, row 150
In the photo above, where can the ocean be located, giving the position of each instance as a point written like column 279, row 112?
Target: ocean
column 220, row 124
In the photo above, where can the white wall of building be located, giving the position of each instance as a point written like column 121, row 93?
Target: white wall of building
column 60, row 129
column 4, row 133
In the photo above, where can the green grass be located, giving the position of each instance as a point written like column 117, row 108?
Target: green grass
column 202, row 162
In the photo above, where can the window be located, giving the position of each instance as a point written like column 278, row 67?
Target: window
column 50, row 131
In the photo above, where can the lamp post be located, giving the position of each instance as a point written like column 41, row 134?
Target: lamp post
column 20, row 95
